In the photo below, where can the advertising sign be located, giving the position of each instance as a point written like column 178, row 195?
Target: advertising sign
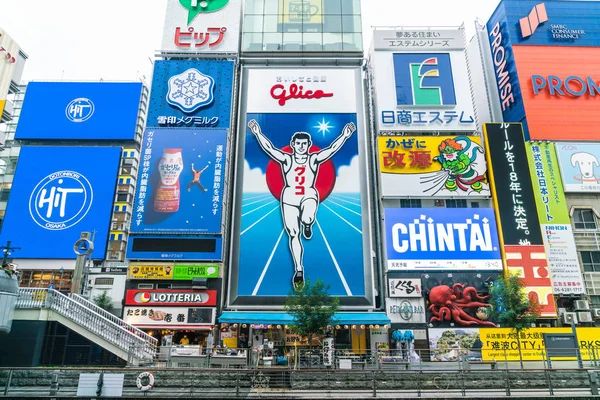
column 9, row 65
column 551, row 23
column 579, row 164
column 451, row 344
column 515, row 203
column 422, row 91
column 553, row 213
column 441, row 238
column 495, row 340
column 405, row 311
column 507, row 159
column 557, row 79
column 301, row 211
column 176, row 272
column 80, row 111
column 191, row 94
column 59, row 192
column 175, row 247
column 171, row 298
column 404, row 287
column 458, row 298
column 418, row 39
column 196, row 26
column 432, row 166
column 294, row 14
column 180, row 182
column 169, row 316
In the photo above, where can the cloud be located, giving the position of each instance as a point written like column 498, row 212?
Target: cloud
column 348, row 178
column 254, row 180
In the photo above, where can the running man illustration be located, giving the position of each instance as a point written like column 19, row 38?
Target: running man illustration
column 299, row 199
column 196, row 179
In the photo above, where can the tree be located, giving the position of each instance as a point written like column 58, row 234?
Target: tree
column 511, row 307
column 104, row 301
column 313, row 309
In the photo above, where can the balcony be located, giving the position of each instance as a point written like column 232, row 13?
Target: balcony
column 592, row 283
column 125, row 189
column 8, row 112
column 121, row 216
column 115, row 255
column 118, row 245
column 587, row 240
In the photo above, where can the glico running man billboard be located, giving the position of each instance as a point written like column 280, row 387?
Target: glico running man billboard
column 80, row 111
column 191, row 94
column 439, row 238
column 59, row 192
column 180, row 182
column 432, row 166
column 301, row 206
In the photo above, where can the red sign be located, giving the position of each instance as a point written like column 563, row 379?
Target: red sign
column 279, row 92
column 171, row 298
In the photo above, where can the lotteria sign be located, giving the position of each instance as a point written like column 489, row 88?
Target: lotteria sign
column 171, row 297
column 461, row 238
column 572, row 85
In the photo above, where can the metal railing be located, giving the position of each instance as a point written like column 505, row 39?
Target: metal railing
column 229, row 383
column 137, row 344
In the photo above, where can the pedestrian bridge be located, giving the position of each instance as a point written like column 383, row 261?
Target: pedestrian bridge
column 88, row 320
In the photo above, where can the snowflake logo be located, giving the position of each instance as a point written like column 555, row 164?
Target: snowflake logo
column 190, row 90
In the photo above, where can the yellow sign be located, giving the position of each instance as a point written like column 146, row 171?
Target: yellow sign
column 501, row 343
column 432, row 166
column 150, row 272
column 2, row 102
column 301, row 12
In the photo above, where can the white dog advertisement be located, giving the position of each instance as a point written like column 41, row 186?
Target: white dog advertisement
column 579, row 166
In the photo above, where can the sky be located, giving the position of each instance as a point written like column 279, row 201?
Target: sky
column 116, row 39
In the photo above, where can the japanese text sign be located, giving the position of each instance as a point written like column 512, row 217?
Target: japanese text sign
column 511, row 184
column 404, row 287
column 169, row 316
column 175, row 272
column 418, row 39
column 432, row 166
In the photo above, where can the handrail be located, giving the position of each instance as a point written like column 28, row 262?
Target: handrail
column 88, row 304
column 113, row 330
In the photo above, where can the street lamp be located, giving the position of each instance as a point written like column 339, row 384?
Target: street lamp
column 7, row 251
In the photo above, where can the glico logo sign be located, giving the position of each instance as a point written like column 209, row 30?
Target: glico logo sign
column 296, row 89
column 424, row 235
column 60, row 200
column 424, row 79
column 80, row 110
column 190, row 90
column 573, row 85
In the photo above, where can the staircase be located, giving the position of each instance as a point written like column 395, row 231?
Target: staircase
column 89, row 320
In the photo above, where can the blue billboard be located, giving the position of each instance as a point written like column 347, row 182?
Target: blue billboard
column 59, row 192
column 441, row 238
column 79, row 111
column 180, row 181
column 191, row 93
column 550, row 23
column 173, row 247
column 301, row 206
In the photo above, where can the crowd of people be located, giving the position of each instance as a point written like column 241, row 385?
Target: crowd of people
column 10, row 270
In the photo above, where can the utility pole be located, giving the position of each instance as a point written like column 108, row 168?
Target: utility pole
column 6, row 250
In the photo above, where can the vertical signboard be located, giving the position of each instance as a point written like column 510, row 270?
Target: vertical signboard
column 515, row 204
column 180, row 184
column 300, row 193
column 555, row 222
column 202, row 26
column 432, row 166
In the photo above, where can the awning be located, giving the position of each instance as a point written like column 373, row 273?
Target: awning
column 369, row 318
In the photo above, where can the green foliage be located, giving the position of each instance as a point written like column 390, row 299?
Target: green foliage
column 313, row 309
column 511, row 308
column 104, row 301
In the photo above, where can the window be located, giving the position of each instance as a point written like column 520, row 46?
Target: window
column 104, row 281
column 410, row 203
column 475, row 204
column 591, row 261
column 163, row 286
column 584, row 219
column 595, row 301
column 145, row 286
column 460, row 203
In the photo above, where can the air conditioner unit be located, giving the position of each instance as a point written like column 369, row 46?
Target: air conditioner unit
column 582, row 305
column 544, row 325
column 569, row 317
column 596, row 313
column 584, row 316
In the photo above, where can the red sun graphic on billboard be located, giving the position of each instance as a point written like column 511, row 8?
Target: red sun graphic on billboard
column 325, row 179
